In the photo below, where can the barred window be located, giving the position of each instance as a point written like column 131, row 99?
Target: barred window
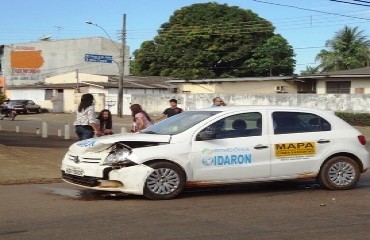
column 338, row 87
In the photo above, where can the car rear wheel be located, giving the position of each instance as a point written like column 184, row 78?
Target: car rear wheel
column 339, row 173
column 166, row 182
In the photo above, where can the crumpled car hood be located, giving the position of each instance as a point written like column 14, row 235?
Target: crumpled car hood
column 101, row 143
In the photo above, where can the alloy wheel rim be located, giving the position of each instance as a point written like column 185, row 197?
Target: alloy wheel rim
column 342, row 173
column 163, row 181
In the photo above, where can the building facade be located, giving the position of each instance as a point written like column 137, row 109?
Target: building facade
column 352, row 81
column 33, row 62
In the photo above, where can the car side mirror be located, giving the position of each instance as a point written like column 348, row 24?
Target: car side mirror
column 206, row 135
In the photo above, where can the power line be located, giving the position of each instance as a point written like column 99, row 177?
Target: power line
column 311, row 10
column 358, row 4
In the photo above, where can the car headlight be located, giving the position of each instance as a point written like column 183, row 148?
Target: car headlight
column 118, row 157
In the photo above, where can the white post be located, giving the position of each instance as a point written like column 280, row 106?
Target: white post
column 38, row 131
column 44, row 130
column 66, row 131
column 17, row 129
column 59, row 133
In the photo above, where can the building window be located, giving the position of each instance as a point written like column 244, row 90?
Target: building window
column 338, row 87
column 48, row 94
column 359, row 90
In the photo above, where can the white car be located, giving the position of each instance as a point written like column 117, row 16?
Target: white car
column 221, row 145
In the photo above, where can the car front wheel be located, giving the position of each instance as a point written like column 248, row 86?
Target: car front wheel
column 165, row 182
column 339, row 173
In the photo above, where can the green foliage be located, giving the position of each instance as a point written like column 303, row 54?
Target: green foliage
column 348, row 49
column 309, row 71
column 214, row 40
column 274, row 57
column 2, row 98
column 356, row 119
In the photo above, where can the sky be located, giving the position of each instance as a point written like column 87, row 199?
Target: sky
column 306, row 24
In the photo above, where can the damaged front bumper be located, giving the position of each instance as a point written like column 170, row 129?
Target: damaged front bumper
column 129, row 180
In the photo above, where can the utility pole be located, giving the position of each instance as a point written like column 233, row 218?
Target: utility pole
column 77, row 82
column 122, row 69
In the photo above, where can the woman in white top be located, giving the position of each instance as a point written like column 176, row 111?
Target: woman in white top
column 86, row 123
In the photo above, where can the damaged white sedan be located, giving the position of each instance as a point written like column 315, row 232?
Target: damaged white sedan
column 221, row 145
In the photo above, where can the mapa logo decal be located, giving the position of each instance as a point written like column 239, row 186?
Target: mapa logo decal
column 86, row 143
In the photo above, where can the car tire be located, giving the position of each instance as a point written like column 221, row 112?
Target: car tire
column 339, row 173
column 38, row 110
column 166, row 182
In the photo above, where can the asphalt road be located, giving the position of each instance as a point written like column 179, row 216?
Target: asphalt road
column 293, row 210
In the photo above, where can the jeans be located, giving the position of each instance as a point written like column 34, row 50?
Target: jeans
column 84, row 132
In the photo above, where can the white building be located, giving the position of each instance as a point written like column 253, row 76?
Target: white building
column 33, row 62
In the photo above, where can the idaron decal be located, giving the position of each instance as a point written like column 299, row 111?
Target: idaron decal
column 86, row 143
column 295, row 149
column 226, row 156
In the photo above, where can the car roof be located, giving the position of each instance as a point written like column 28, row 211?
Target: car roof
column 263, row 107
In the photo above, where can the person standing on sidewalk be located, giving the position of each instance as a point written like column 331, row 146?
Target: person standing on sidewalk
column 86, row 123
column 171, row 111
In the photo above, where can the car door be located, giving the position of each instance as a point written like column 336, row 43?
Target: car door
column 236, row 149
column 299, row 143
column 31, row 106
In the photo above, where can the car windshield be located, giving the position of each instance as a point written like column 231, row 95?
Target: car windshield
column 17, row 101
column 179, row 123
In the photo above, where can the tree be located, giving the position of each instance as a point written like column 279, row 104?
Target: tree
column 348, row 49
column 2, row 98
column 309, row 71
column 272, row 58
column 211, row 41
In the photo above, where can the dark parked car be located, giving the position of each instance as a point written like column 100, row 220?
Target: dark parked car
column 24, row 106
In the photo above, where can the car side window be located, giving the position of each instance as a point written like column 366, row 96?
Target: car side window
column 298, row 122
column 240, row 125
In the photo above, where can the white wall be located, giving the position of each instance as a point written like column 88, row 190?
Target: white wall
column 250, row 87
column 37, row 95
column 359, row 103
column 156, row 103
column 72, row 78
column 64, row 56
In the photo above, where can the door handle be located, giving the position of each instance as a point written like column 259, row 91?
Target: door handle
column 323, row 141
column 260, row 146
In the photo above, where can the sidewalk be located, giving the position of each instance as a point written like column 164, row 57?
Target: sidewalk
column 28, row 158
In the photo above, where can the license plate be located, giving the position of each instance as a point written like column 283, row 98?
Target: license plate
column 75, row 171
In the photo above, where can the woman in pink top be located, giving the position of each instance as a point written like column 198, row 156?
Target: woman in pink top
column 140, row 117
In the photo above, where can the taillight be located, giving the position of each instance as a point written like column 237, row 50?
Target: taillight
column 362, row 139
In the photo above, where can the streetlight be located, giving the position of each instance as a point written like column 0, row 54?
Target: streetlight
column 121, row 67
